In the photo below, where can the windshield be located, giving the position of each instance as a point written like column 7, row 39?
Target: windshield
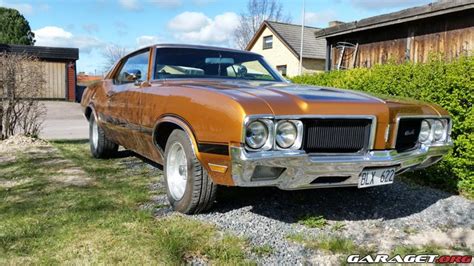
column 201, row 63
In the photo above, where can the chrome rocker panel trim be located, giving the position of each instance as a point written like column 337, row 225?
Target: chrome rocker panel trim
column 302, row 168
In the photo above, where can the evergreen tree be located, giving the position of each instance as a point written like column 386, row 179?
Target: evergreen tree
column 14, row 28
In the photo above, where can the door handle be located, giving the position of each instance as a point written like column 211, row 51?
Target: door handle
column 142, row 84
column 110, row 93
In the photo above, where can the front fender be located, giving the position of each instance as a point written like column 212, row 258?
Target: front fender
column 180, row 123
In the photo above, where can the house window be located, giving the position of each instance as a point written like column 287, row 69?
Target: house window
column 268, row 42
column 282, row 70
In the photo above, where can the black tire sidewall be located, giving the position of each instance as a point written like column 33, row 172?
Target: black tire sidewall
column 105, row 148
column 185, row 203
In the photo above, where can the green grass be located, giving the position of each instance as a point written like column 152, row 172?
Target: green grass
column 410, row 230
column 338, row 226
column 45, row 221
column 263, row 250
column 429, row 249
column 421, row 250
column 334, row 245
column 313, row 221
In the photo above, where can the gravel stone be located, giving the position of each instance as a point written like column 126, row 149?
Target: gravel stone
column 382, row 217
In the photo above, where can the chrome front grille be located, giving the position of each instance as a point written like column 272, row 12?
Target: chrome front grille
column 336, row 135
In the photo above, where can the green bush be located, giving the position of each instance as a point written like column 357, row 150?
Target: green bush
column 448, row 84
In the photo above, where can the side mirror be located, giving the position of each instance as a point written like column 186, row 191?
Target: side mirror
column 133, row 75
column 241, row 71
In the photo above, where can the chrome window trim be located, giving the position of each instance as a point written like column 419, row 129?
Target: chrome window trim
column 373, row 127
column 273, row 72
column 401, row 116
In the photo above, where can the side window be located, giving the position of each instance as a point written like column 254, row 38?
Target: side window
column 134, row 69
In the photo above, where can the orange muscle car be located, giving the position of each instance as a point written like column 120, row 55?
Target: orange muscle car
column 215, row 116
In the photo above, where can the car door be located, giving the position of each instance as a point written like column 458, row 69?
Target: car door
column 124, row 101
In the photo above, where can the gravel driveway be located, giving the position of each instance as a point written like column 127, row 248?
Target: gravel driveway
column 381, row 218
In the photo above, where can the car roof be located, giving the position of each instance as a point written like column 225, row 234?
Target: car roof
column 193, row 46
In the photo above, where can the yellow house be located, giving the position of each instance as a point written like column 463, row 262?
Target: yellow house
column 280, row 44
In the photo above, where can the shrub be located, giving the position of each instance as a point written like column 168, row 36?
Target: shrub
column 21, row 84
column 448, row 84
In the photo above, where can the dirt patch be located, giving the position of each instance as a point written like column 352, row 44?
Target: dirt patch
column 73, row 176
column 6, row 159
column 22, row 141
column 46, row 156
column 451, row 238
column 6, row 183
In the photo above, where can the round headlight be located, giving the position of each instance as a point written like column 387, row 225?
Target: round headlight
column 256, row 134
column 425, row 131
column 286, row 134
column 438, row 130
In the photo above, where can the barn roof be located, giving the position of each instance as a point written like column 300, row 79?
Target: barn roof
column 410, row 14
column 290, row 35
column 44, row 53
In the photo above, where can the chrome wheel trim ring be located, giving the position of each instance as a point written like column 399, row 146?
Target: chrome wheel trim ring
column 95, row 134
column 177, row 171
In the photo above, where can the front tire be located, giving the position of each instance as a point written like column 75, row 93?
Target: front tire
column 101, row 146
column 189, row 188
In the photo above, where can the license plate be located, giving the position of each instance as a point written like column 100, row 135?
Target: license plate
column 376, row 177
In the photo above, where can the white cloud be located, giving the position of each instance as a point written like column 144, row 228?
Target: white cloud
column 23, row 8
column 147, row 40
column 132, row 5
column 378, row 4
column 189, row 21
column 192, row 27
column 58, row 37
column 320, row 18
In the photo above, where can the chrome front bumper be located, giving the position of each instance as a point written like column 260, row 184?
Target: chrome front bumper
column 302, row 169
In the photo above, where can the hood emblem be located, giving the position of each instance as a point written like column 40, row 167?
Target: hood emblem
column 410, row 132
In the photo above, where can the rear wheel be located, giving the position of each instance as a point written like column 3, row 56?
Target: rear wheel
column 101, row 146
column 189, row 188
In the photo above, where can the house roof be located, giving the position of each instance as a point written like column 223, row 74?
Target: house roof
column 41, row 52
column 290, row 35
column 410, row 14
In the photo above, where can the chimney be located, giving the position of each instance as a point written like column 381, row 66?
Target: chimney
column 334, row 23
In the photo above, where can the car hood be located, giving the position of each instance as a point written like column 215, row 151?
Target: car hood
column 264, row 89
column 283, row 98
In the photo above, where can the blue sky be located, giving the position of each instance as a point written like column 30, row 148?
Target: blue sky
column 92, row 25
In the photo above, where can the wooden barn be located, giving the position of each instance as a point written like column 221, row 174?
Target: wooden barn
column 59, row 66
column 412, row 34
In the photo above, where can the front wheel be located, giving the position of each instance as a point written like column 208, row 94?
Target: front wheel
column 189, row 188
column 101, row 146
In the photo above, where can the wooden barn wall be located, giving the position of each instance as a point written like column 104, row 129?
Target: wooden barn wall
column 55, row 80
column 451, row 35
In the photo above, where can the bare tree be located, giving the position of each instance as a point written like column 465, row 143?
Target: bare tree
column 112, row 53
column 250, row 20
column 21, row 84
